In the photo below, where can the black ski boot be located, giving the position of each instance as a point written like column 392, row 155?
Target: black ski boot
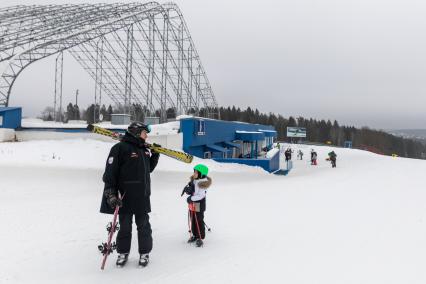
column 192, row 239
column 199, row 243
column 144, row 259
column 122, row 259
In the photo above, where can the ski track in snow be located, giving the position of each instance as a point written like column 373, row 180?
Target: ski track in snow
column 363, row 222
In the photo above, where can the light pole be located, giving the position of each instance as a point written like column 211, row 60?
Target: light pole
column 76, row 97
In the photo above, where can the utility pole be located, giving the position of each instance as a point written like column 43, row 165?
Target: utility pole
column 76, row 97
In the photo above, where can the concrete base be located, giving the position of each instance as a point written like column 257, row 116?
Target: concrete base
column 7, row 135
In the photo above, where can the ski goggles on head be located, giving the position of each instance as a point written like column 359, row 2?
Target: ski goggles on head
column 147, row 128
column 136, row 128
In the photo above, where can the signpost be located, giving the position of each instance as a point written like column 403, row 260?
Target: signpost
column 297, row 132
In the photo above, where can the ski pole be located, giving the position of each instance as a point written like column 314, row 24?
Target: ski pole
column 208, row 228
column 196, row 222
column 189, row 223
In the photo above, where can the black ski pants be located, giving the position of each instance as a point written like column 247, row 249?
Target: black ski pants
column 198, row 218
column 124, row 236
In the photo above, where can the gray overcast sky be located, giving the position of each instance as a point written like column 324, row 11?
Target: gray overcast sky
column 362, row 62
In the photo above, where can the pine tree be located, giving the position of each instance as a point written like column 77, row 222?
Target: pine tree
column 76, row 112
column 70, row 111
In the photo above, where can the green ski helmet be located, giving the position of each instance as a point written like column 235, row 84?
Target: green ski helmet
column 202, row 169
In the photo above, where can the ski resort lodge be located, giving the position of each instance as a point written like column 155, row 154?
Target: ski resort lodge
column 230, row 142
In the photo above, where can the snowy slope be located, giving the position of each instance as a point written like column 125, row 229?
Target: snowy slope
column 363, row 222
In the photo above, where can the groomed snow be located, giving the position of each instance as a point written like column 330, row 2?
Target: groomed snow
column 363, row 222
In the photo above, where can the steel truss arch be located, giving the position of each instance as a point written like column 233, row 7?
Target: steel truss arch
column 147, row 56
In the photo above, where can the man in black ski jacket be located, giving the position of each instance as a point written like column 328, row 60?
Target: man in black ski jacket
column 127, row 176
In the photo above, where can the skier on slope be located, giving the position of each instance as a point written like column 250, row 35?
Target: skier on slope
column 300, row 154
column 197, row 190
column 287, row 154
column 314, row 156
column 332, row 156
column 127, row 173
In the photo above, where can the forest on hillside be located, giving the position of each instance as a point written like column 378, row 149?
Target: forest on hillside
column 322, row 131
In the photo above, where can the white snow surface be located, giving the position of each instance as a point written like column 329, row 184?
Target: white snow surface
column 363, row 222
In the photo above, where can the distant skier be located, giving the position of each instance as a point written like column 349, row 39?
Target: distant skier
column 332, row 158
column 314, row 156
column 300, row 154
column 287, row 154
column 197, row 191
column 127, row 173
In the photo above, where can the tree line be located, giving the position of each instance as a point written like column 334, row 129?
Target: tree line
column 94, row 113
column 317, row 131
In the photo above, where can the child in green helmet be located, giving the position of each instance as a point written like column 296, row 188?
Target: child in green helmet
column 197, row 191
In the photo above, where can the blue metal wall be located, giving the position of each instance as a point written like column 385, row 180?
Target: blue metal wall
column 11, row 117
column 215, row 131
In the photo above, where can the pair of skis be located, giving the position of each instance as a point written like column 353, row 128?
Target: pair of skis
column 108, row 247
column 180, row 156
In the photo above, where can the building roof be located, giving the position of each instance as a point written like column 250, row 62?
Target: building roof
column 232, row 144
column 2, row 109
column 249, row 135
column 267, row 130
column 269, row 133
column 243, row 131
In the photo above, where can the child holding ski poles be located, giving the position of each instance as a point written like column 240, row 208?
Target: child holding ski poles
column 197, row 190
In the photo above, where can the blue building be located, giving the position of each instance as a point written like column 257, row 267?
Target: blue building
column 230, row 142
column 10, row 117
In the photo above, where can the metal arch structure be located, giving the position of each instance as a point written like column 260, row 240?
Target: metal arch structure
column 136, row 53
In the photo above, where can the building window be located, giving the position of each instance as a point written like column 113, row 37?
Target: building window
column 1, row 120
column 207, row 155
column 201, row 127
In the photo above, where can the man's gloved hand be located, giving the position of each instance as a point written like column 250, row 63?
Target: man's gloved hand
column 189, row 200
column 113, row 201
column 156, row 145
column 155, row 154
column 111, row 198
